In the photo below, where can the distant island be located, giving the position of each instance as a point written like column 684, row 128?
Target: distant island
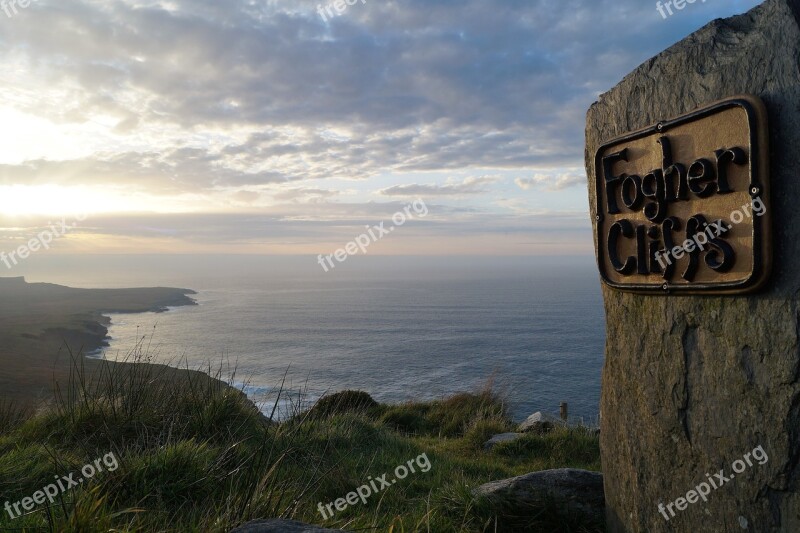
column 40, row 323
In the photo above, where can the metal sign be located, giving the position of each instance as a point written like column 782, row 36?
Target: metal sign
column 683, row 206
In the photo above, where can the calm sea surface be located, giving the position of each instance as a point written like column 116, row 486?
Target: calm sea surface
column 398, row 328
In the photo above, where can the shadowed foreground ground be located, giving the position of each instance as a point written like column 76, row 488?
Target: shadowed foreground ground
column 197, row 456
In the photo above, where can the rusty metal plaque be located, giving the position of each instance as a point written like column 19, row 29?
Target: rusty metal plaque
column 683, row 206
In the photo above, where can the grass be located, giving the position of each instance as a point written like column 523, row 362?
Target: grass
column 12, row 416
column 196, row 455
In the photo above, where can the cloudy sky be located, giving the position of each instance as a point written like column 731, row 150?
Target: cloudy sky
column 272, row 127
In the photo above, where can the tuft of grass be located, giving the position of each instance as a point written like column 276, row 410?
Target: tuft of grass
column 450, row 417
column 563, row 447
column 12, row 416
column 348, row 401
column 482, row 429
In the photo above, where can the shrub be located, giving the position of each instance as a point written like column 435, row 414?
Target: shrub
column 347, row 401
column 483, row 429
column 450, row 418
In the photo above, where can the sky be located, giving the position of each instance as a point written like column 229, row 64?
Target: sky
column 287, row 127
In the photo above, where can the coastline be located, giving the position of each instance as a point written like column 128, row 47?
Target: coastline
column 44, row 326
column 96, row 338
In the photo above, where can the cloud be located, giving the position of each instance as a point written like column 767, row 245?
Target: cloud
column 475, row 185
column 291, row 229
column 242, row 93
column 264, row 106
column 246, row 197
column 551, row 182
column 305, row 194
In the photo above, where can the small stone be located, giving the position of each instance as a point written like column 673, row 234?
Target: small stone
column 502, row 437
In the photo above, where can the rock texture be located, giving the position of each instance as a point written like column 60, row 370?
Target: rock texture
column 574, row 493
column 691, row 384
column 279, row 525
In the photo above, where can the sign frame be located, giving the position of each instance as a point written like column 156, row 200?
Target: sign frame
column 759, row 186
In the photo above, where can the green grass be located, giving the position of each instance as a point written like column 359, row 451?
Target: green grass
column 197, row 456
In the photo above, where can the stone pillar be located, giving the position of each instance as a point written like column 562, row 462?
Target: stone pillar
column 692, row 383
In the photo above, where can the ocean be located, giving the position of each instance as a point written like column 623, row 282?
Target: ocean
column 400, row 328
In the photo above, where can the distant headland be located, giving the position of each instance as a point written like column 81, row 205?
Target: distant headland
column 40, row 323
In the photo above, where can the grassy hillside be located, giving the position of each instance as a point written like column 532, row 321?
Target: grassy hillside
column 195, row 455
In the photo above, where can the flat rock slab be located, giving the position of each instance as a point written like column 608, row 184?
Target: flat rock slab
column 540, row 422
column 569, row 491
column 279, row 525
column 502, row 437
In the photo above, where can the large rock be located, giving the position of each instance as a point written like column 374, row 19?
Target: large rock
column 540, row 422
column 691, row 384
column 280, row 525
column 577, row 494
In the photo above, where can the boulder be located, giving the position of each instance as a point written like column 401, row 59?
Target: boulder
column 540, row 422
column 280, row 525
column 502, row 437
column 693, row 383
column 573, row 493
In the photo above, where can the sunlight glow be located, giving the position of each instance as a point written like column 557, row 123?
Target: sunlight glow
column 61, row 200
column 26, row 137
